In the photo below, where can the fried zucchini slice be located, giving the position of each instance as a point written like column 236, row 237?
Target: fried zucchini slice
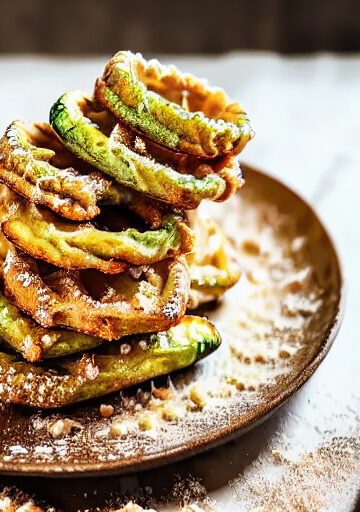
column 214, row 265
column 35, row 164
column 227, row 167
column 76, row 379
column 137, row 301
column 33, row 341
column 173, row 109
column 45, row 236
column 84, row 132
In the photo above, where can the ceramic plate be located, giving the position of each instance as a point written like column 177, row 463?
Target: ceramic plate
column 277, row 325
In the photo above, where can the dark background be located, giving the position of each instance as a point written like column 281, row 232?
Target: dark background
column 212, row 26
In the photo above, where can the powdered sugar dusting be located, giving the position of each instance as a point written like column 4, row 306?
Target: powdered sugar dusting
column 271, row 322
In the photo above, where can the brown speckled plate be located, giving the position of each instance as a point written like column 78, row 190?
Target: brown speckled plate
column 277, row 324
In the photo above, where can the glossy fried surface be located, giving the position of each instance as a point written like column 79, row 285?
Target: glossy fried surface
column 34, row 342
column 174, row 109
column 45, row 236
column 226, row 167
column 73, row 118
column 99, row 234
column 35, row 164
column 75, row 379
column 214, row 265
column 139, row 300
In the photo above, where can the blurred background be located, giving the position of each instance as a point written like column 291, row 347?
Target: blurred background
column 163, row 26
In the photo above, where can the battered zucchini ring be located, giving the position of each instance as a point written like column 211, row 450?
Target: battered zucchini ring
column 45, row 236
column 173, row 109
column 214, row 266
column 227, row 167
column 35, row 164
column 75, row 379
column 34, row 342
column 139, row 300
column 90, row 136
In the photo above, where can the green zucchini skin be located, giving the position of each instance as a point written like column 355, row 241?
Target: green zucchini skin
column 127, row 167
column 76, row 379
column 34, row 342
column 124, row 92
column 40, row 233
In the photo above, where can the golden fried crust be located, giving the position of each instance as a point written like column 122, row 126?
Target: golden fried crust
column 214, row 266
column 138, row 301
column 185, row 90
column 35, row 164
column 227, row 166
column 182, row 88
column 63, row 206
column 44, row 236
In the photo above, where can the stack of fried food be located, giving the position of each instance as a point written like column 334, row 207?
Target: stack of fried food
column 97, row 244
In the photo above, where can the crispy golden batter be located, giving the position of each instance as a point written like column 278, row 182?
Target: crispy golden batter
column 82, row 377
column 95, row 243
column 174, row 109
column 140, row 300
column 34, row 342
column 227, row 167
column 214, row 266
column 35, row 164
column 87, row 133
column 45, row 236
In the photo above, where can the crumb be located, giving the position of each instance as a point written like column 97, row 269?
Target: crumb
column 197, row 397
column 277, row 455
column 170, row 413
column 145, row 423
column 60, row 428
column 251, row 247
column 118, row 429
column 106, row 410
column 163, row 393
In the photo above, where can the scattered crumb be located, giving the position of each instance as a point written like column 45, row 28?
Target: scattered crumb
column 146, row 423
column 163, row 393
column 187, row 490
column 314, row 481
column 171, row 413
column 251, row 247
column 119, row 429
column 197, row 397
column 277, row 455
column 63, row 427
column 106, row 410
